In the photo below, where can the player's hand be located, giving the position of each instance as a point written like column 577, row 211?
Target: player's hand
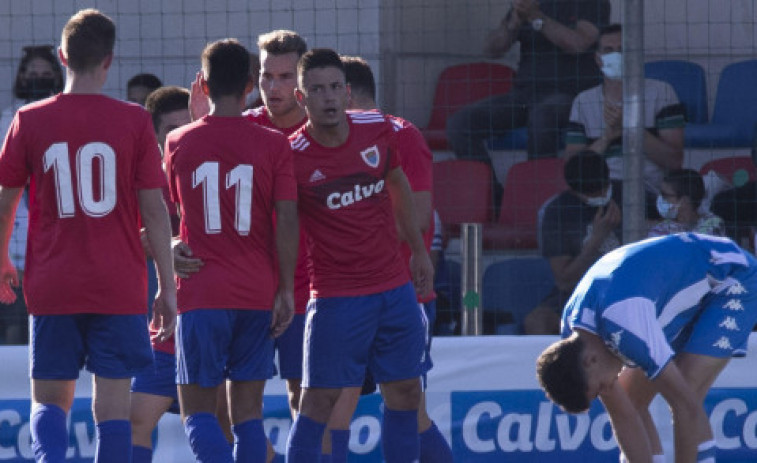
column 283, row 312
column 422, row 272
column 526, row 9
column 164, row 314
column 8, row 280
column 199, row 104
column 184, row 264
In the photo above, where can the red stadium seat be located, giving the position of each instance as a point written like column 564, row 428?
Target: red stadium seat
column 736, row 169
column 462, row 192
column 458, row 86
column 529, row 184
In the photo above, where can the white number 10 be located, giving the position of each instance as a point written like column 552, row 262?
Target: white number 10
column 241, row 177
column 56, row 157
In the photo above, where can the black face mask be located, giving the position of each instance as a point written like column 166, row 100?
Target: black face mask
column 36, row 88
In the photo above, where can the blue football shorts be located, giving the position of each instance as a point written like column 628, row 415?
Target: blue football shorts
column 344, row 336
column 217, row 344
column 159, row 379
column 288, row 346
column 723, row 325
column 109, row 346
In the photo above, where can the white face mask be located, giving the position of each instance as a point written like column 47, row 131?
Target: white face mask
column 600, row 201
column 667, row 210
column 612, row 65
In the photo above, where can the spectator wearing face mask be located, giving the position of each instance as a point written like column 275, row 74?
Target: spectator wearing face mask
column 596, row 120
column 680, row 204
column 38, row 76
column 576, row 228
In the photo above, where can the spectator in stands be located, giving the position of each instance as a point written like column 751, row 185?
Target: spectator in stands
column 681, row 208
column 596, row 120
column 738, row 208
column 39, row 75
column 139, row 86
column 556, row 38
column 578, row 226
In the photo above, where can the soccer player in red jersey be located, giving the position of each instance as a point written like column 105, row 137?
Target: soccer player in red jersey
column 95, row 169
column 279, row 52
column 228, row 175
column 363, row 312
column 153, row 391
column 416, row 161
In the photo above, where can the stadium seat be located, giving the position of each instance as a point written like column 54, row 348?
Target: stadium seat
column 737, row 170
column 735, row 115
column 688, row 80
column 462, row 193
column 460, row 85
column 511, row 288
column 516, row 139
column 528, row 185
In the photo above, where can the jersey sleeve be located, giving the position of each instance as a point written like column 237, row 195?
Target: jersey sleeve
column 149, row 172
column 14, row 169
column 395, row 156
column 416, row 158
column 630, row 328
column 285, row 184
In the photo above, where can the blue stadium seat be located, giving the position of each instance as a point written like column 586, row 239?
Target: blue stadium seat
column 688, row 80
column 515, row 285
column 735, row 115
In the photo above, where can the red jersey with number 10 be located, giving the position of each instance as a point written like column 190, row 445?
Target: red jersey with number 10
column 226, row 173
column 86, row 155
column 346, row 210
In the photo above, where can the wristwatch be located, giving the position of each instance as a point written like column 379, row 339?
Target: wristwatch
column 537, row 24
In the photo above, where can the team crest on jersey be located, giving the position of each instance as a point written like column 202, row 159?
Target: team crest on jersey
column 371, row 156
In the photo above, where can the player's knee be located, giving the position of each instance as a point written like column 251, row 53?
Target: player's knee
column 402, row 395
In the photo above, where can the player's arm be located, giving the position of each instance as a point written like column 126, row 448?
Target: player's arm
column 691, row 426
column 420, row 264
column 627, row 424
column 287, row 241
column 158, row 230
column 9, row 198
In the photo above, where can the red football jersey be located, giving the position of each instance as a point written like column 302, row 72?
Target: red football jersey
column 226, row 174
column 417, row 163
column 259, row 115
column 86, row 156
column 346, row 210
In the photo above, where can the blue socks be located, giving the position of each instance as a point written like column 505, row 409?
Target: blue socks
column 434, row 447
column 141, row 454
column 304, row 442
column 207, row 440
column 250, row 443
column 113, row 442
column 340, row 445
column 399, row 432
column 49, row 433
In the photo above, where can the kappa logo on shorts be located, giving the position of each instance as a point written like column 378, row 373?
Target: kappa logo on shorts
column 730, row 324
column 734, row 304
column 723, row 343
column 371, row 156
column 317, row 176
column 736, row 289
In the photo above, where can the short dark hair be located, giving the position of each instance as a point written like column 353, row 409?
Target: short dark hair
column 562, row 375
column 359, row 75
column 166, row 100
column 687, row 182
column 586, row 172
column 226, row 64
column 45, row 52
column 319, row 58
column 614, row 28
column 87, row 39
column 281, row 42
column 146, row 80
